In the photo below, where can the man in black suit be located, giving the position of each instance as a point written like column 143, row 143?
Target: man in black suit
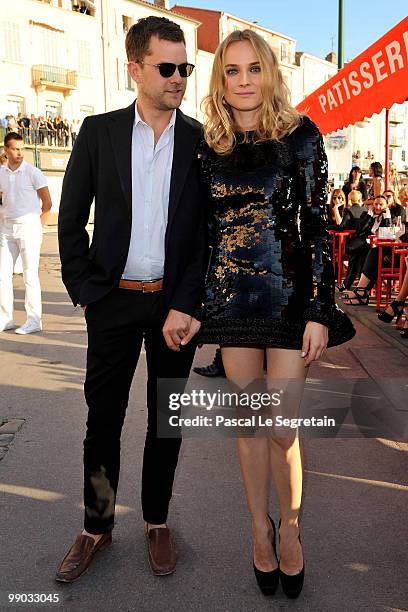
column 140, row 280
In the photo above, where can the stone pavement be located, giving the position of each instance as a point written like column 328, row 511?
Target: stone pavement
column 354, row 528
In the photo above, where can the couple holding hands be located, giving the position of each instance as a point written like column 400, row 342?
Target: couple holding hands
column 202, row 234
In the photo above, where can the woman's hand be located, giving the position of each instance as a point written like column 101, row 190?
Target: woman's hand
column 315, row 339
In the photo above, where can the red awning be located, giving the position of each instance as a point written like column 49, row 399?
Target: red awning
column 376, row 79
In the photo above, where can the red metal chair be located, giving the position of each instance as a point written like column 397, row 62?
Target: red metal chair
column 338, row 251
column 389, row 275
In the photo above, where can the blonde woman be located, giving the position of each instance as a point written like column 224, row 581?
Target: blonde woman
column 265, row 172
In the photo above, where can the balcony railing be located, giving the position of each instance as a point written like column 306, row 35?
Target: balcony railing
column 52, row 77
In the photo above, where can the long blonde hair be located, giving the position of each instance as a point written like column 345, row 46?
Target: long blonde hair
column 277, row 116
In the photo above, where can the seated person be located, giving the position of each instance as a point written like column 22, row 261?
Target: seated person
column 335, row 208
column 382, row 218
column 353, row 212
column 395, row 208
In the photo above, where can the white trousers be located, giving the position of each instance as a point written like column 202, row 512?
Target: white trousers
column 20, row 236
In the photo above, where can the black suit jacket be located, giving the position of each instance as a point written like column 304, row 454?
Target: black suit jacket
column 100, row 168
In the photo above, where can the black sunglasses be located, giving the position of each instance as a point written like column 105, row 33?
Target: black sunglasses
column 167, row 69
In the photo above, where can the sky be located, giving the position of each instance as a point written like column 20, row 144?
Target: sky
column 313, row 23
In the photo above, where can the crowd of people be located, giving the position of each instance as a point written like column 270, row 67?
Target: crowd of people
column 366, row 209
column 42, row 131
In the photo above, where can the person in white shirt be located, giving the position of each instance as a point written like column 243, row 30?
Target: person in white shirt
column 18, row 266
column 26, row 203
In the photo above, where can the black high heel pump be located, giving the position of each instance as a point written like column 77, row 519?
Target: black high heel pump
column 292, row 584
column 268, row 581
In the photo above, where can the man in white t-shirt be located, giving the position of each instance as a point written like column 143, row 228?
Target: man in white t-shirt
column 26, row 203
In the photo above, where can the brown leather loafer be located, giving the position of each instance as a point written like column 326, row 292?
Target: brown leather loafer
column 79, row 557
column 162, row 554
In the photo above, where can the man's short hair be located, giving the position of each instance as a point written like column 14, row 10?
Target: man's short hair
column 11, row 136
column 139, row 35
column 382, row 197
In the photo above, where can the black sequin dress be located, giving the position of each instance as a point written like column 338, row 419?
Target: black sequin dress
column 270, row 268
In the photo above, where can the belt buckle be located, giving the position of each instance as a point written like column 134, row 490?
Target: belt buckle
column 143, row 286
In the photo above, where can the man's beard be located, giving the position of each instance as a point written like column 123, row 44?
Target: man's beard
column 159, row 102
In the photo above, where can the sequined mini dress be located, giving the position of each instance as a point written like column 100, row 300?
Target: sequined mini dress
column 269, row 268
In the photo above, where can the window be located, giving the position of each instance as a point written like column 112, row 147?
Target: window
column 403, row 154
column 52, row 45
column 284, row 52
column 128, row 81
column 53, row 109
column 10, row 46
column 84, row 58
column 391, row 154
column 15, row 105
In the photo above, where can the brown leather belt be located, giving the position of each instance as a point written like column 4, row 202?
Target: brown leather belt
column 145, row 286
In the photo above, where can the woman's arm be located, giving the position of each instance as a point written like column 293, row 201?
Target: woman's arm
column 337, row 215
column 312, row 168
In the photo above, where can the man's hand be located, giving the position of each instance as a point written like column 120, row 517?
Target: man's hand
column 176, row 327
column 44, row 195
column 315, row 339
column 194, row 327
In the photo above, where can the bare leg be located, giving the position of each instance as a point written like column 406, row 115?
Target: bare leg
column 242, row 366
column 286, row 454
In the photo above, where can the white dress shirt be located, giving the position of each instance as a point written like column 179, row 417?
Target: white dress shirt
column 19, row 189
column 151, row 173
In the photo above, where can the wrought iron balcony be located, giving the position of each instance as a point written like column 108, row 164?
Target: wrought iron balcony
column 53, row 77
